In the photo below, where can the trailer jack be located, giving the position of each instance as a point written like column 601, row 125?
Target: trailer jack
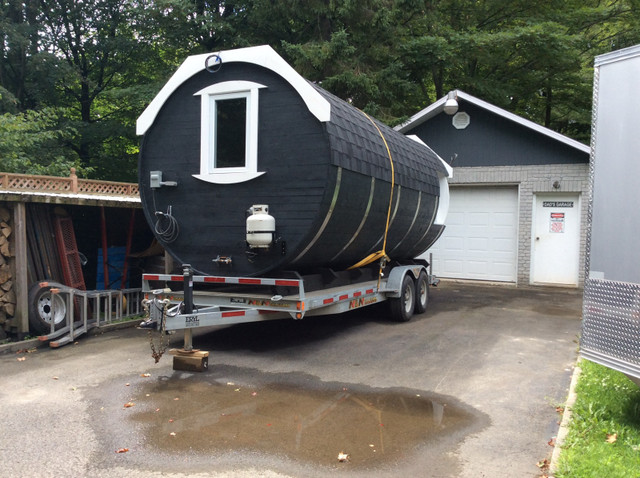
column 187, row 358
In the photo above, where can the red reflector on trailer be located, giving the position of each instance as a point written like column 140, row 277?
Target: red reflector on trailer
column 290, row 283
column 357, row 294
column 214, row 279
column 234, row 313
column 249, row 281
column 327, row 301
column 369, row 291
column 343, row 297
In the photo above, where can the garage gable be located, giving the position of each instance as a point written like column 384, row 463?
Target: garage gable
column 481, row 134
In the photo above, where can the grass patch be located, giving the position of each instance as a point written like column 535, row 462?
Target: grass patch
column 604, row 432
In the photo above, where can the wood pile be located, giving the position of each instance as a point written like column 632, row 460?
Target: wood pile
column 43, row 261
column 7, row 292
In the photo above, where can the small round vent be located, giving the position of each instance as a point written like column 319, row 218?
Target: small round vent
column 461, row 120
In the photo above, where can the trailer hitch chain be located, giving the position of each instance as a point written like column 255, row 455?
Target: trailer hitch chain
column 163, row 306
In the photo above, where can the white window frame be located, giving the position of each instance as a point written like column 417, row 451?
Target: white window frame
column 208, row 97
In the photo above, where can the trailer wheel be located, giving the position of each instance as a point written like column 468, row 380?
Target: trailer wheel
column 402, row 307
column 422, row 293
column 40, row 310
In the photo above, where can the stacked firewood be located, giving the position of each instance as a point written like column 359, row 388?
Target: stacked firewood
column 7, row 293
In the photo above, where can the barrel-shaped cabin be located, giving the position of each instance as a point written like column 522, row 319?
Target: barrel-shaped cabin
column 246, row 169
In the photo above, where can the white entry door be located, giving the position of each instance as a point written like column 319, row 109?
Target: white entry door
column 556, row 239
column 480, row 238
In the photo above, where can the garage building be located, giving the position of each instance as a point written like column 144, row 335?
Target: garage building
column 518, row 210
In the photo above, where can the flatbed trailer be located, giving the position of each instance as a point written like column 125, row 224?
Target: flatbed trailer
column 186, row 302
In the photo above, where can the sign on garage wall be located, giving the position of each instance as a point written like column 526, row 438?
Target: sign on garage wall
column 556, row 223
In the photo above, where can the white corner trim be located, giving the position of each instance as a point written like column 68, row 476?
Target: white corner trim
column 618, row 55
column 263, row 56
column 443, row 202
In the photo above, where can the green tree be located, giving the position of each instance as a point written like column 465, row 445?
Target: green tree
column 348, row 47
column 34, row 142
column 76, row 75
column 19, row 41
column 185, row 27
column 532, row 58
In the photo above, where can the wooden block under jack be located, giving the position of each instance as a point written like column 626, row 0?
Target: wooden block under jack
column 190, row 360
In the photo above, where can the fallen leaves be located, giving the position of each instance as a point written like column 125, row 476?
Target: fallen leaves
column 129, row 405
column 145, row 375
column 22, row 359
column 612, row 437
column 544, row 467
column 342, row 457
column 544, row 464
column 122, row 450
column 552, row 442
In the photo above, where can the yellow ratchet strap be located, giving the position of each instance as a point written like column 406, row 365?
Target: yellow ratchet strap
column 380, row 255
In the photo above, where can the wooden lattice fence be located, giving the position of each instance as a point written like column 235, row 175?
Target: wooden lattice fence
column 62, row 185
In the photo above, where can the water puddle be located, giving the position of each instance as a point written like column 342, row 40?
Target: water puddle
column 320, row 424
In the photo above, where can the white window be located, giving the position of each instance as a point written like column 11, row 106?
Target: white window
column 229, row 132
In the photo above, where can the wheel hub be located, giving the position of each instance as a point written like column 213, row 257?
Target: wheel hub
column 47, row 312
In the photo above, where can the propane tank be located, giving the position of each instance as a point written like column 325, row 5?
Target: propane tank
column 261, row 227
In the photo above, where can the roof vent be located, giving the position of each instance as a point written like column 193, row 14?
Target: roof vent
column 461, row 120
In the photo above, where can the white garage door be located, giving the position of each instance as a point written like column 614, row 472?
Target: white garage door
column 480, row 238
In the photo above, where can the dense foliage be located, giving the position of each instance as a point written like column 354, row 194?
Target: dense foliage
column 74, row 75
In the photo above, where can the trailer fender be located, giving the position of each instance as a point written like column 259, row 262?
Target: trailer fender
column 397, row 275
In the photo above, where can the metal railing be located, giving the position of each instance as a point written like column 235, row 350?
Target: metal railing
column 88, row 309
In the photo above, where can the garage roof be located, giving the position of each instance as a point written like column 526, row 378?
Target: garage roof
column 438, row 107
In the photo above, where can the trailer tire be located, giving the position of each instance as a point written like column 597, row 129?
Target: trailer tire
column 422, row 293
column 402, row 307
column 39, row 299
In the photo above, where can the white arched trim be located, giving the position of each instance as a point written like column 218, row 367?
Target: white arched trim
column 263, row 56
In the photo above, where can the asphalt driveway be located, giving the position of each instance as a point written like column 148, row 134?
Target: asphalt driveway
column 468, row 389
